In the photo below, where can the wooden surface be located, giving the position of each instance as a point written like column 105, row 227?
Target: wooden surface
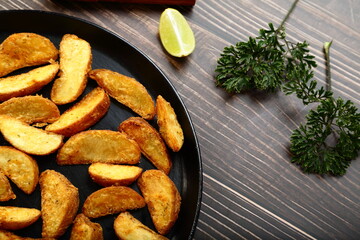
column 250, row 188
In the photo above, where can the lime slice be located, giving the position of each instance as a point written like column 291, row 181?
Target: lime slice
column 175, row 33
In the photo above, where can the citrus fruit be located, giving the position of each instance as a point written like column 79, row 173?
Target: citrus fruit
column 175, row 33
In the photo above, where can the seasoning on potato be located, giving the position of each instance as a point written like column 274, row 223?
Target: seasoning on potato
column 15, row 218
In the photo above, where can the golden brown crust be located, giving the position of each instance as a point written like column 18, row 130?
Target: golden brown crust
column 5, row 235
column 6, row 192
column 110, row 174
column 27, row 83
column 129, row 228
column 84, row 229
column 22, row 169
column 59, row 203
column 15, row 218
column 75, row 64
column 149, row 140
column 99, row 146
column 29, row 139
column 161, row 197
column 83, row 114
column 25, row 49
column 30, row 109
column 169, row 127
column 126, row 90
column 111, row 200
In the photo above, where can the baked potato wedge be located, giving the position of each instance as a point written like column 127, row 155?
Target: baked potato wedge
column 104, row 146
column 111, row 200
column 22, row 169
column 6, row 235
column 29, row 139
column 84, row 229
column 162, row 199
column 110, row 174
column 169, row 127
column 59, row 203
column 30, row 109
column 25, row 49
column 129, row 228
column 14, row 218
column 75, row 63
column 149, row 140
column 6, row 192
column 27, row 83
column 125, row 90
column 82, row 115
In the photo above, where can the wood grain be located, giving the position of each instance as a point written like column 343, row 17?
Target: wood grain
column 250, row 189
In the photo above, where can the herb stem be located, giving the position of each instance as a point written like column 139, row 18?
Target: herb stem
column 288, row 14
column 327, row 46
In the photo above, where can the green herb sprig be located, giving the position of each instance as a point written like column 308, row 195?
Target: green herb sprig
column 330, row 138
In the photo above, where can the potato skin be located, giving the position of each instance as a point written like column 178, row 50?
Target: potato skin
column 99, row 146
column 15, row 218
column 129, row 228
column 111, row 200
column 126, row 90
column 84, row 229
column 149, row 140
column 83, row 114
column 25, row 49
column 162, row 199
column 21, row 168
column 59, row 203
column 169, row 127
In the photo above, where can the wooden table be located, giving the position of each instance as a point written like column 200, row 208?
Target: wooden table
column 250, row 188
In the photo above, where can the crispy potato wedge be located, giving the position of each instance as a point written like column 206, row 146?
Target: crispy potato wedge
column 104, row 146
column 82, row 115
column 5, row 235
column 22, row 169
column 59, row 203
column 109, row 174
column 125, row 90
column 169, row 127
column 149, row 140
column 84, row 229
column 162, row 198
column 111, row 200
column 25, row 49
column 31, row 109
column 29, row 139
column 14, row 218
column 6, row 192
column 27, row 83
column 75, row 63
column 129, row 228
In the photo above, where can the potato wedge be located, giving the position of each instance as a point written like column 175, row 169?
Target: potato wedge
column 109, row 174
column 126, row 90
column 169, row 127
column 82, row 115
column 5, row 235
column 162, row 198
column 29, row 139
column 6, row 192
column 104, row 146
column 25, row 49
column 75, row 63
column 111, row 200
column 59, row 203
column 22, row 169
column 30, row 109
column 27, row 83
column 84, row 229
column 14, row 218
column 149, row 140
column 129, row 228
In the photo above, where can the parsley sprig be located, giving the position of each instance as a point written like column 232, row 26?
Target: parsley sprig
column 330, row 138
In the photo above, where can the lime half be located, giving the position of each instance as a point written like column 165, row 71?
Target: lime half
column 175, row 33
